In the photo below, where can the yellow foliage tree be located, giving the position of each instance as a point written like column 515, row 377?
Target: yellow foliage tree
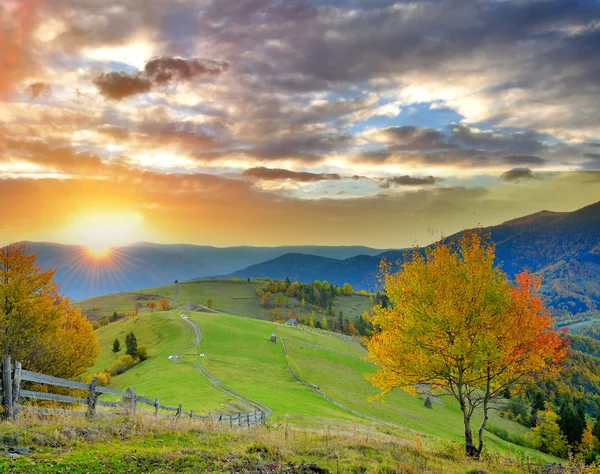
column 38, row 326
column 164, row 304
column 455, row 323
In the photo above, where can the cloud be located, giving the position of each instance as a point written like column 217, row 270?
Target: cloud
column 518, row 174
column 270, row 174
column 119, row 85
column 165, row 70
column 157, row 72
column 408, row 181
column 38, row 89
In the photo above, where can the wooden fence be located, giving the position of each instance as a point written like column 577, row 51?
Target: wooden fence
column 12, row 394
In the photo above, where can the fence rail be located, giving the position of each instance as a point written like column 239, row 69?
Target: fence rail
column 11, row 394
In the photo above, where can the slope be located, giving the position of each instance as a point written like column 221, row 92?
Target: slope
column 239, row 353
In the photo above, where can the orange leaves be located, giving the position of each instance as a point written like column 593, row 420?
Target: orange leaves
column 454, row 315
column 38, row 327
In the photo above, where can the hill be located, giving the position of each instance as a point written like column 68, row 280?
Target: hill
column 229, row 296
column 238, row 352
column 564, row 248
column 144, row 264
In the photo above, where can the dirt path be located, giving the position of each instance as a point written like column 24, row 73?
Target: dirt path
column 211, row 378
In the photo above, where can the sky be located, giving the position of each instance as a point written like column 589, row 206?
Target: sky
column 280, row 122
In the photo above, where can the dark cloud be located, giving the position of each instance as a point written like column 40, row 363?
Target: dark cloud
column 272, row 174
column 524, row 160
column 157, row 72
column 408, row 181
column 118, row 85
column 518, row 174
column 165, row 70
column 38, row 89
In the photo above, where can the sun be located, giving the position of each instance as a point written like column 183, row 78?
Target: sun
column 100, row 232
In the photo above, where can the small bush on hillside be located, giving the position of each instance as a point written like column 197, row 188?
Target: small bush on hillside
column 102, row 379
column 142, row 352
column 514, row 438
column 123, row 363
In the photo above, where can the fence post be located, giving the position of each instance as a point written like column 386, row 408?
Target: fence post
column 248, row 419
column 17, row 389
column 191, row 414
column 178, row 412
column 92, row 399
column 133, row 401
column 240, row 418
column 231, row 421
column 156, row 406
column 7, row 386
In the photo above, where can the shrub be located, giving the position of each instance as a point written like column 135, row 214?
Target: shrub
column 142, row 352
column 122, row 364
column 102, row 378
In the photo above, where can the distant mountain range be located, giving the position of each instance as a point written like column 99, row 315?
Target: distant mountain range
column 145, row 265
column 564, row 248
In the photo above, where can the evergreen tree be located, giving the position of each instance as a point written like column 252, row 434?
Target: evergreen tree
column 571, row 423
column 596, row 430
column 131, row 344
column 114, row 316
column 116, row 347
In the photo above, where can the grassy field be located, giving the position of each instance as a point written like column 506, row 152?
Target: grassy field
column 144, row 445
column 239, row 353
column 229, row 296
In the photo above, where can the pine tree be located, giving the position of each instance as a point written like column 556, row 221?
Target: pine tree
column 131, row 344
column 571, row 423
column 116, row 348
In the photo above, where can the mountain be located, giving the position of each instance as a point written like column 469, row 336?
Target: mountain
column 144, row 264
column 562, row 247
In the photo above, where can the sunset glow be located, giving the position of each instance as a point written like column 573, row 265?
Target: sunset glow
column 297, row 122
column 100, row 232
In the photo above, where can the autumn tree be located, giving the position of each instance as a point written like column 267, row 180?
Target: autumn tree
column 152, row 305
column 164, row 304
column 456, row 323
column 347, row 289
column 38, row 326
column 547, row 436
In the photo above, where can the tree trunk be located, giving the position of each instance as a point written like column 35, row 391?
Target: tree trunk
column 469, row 448
column 482, row 429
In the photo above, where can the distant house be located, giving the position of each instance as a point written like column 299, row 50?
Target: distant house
column 292, row 322
column 273, row 338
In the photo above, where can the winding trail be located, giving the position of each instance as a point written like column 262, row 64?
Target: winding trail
column 211, row 378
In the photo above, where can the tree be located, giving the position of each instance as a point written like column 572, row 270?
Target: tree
column 572, row 423
column 457, row 324
column 142, row 352
column 152, row 305
column 324, row 324
column 209, row 302
column 596, row 429
column 131, row 345
column 547, row 436
column 587, row 439
column 116, row 348
column 164, row 304
column 114, row 317
column 279, row 299
column 347, row 289
column 38, row 327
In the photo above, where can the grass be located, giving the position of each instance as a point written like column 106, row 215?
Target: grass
column 164, row 333
column 239, row 353
column 145, row 445
column 229, row 296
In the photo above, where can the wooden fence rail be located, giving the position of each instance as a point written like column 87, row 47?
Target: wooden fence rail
column 12, row 393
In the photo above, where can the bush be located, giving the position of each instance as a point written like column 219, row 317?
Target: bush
column 142, row 352
column 102, row 378
column 123, row 363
